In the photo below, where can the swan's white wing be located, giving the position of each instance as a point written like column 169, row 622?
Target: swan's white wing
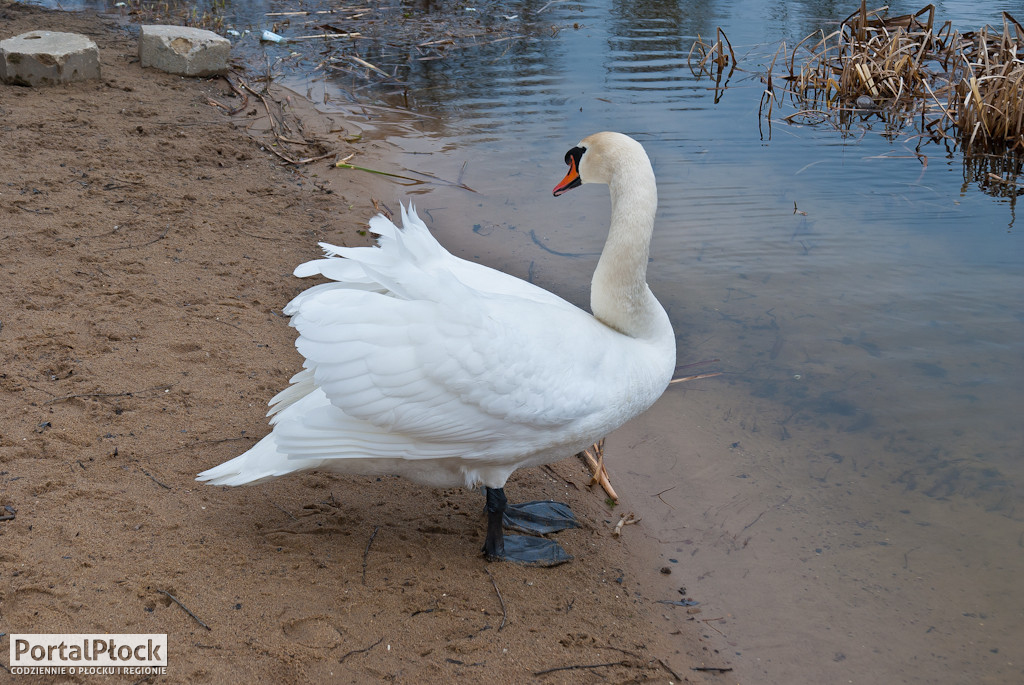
column 422, row 355
column 464, row 369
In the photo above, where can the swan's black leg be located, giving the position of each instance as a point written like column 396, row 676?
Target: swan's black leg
column 524, row 549
column 494, row 543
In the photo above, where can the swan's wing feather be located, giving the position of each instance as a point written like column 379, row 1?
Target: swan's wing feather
column 464, row 367
column 409, row 250
column 441, row 351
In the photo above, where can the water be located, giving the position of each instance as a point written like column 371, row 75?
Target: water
column 849, row 496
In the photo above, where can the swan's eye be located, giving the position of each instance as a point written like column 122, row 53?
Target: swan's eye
column 575, row 154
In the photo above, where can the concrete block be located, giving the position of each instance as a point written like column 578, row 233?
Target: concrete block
column 183, row 50
column 40, row 58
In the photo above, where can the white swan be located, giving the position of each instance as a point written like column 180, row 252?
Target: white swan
column 424, row 365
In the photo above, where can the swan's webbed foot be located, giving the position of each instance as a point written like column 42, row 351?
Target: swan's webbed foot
column 530, row 517
column 539, row 517
column 526, row 549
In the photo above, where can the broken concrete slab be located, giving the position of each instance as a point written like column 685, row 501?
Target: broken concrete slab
column 183, row 50
column 40, row 58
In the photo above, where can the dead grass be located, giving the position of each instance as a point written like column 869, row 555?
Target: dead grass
column 969, row 86
column 868, row 55
column 907, row 71
column 711, row 59
column 988, row 99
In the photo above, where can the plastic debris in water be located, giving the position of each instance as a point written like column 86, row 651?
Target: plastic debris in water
column 272, row 37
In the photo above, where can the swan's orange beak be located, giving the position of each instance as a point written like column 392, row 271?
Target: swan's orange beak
column 571, row 180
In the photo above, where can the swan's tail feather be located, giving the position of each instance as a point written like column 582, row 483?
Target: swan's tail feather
column 406, row 264
column 262, row 462
column 343, row 271
column 398, row 254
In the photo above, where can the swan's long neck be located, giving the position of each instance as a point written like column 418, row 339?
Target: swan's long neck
column 619, row 296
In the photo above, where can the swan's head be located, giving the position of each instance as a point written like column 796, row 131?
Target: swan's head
column 598, row 158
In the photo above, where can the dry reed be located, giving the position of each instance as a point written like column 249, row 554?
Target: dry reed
column 988, row 99
column 711, row 60
column 968, row 86
column 909, row 72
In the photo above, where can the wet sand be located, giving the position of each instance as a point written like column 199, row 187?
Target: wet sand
column 148, row 243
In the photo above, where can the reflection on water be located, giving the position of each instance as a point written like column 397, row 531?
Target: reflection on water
column 864, row 518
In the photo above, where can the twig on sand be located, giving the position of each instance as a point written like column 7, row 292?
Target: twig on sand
column 217, row 319
column 231, row 111
column 366, row 552
column 576, row 667
column 360, row 651
column 711, row 669
column 626, row 520
column 676, row 378
column 131, row 247
column 594, row 458
column 304, row 160
column 707, row 622
column 669, row 669
column 26, row 209
column 557, row 476
column 258, row 237
column 130, row 393
column 266, row 105
column 290, row 515
column 279, row 136
column 346, row 165
column 343, row 164
column 187, row 610
column 190, row 445
column 152, row 478
column 694, row 378
column 504, row 611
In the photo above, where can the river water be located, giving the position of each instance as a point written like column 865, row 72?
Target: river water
column 847, row 499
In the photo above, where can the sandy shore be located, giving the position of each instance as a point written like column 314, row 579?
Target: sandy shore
column 148, row 240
